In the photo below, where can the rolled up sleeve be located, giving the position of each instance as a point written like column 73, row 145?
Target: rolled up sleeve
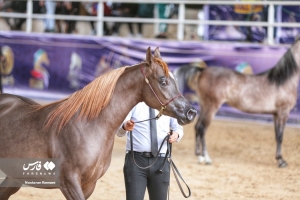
column 121, row 132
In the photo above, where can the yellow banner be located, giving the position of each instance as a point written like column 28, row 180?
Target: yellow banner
column 247, row 9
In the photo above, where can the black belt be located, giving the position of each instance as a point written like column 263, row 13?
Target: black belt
column 146, row 154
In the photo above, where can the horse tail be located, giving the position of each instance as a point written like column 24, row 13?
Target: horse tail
column 193, row 77
column 187, row 76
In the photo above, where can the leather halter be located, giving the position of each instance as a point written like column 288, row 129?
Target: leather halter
column 163, row 106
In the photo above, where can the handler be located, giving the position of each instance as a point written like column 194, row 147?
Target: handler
column 137, row 179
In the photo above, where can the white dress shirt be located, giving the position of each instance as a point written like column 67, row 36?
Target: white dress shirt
column 141, row 132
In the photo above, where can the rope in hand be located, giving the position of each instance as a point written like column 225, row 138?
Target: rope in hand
column 172, row 164
column 176, row 171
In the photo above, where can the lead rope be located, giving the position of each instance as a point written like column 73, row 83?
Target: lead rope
column 156, row 156
column 175, row 170
column 172, row 165
column 131, row 141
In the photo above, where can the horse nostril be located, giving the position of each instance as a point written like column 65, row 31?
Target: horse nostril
column 191, row 113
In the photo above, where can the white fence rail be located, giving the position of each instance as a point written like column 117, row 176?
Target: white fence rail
column 180, row 21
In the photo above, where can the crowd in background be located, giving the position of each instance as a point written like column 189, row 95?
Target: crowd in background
column 254, row 13
column 48, row 7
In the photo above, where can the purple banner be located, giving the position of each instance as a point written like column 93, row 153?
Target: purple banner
column 288, row 14
column 235, row 13
column 54, row 66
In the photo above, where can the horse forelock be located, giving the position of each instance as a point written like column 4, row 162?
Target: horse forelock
column 164, row 65
column 284, row 69
column 172, row 75
column 89, row 101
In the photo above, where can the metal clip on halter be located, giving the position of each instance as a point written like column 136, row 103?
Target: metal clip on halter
column 160, row 112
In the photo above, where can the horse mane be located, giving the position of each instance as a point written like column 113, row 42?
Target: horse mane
column 90, row 100
column 283, row 70
column 163, row 65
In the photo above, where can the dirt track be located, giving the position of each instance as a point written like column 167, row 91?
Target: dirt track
column 244, row 166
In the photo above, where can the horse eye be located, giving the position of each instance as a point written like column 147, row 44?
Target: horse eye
column 163, row 82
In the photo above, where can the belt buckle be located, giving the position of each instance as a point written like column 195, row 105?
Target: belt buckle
column 147, row 154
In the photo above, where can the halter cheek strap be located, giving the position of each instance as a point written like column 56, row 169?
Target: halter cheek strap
column 163, row 106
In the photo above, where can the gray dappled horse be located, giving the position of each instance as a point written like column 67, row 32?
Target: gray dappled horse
column 80, row 130
column 271, row 92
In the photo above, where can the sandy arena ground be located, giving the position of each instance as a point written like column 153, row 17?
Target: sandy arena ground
column 244, row 166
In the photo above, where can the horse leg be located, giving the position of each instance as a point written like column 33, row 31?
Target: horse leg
column 70, row 186
column 279, row 123
column 88, row 189
column 201, row 126
column 198, row 140
column 8, row 187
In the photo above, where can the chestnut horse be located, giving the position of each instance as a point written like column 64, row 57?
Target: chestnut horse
column 271, row 92
column 79, row 131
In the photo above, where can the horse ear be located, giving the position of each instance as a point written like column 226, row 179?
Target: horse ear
column 157, row 53
column 149, row 57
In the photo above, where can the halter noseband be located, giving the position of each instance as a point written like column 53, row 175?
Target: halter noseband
column 163, row 106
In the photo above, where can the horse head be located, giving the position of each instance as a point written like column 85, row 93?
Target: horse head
column 41, row 60
column 74, row 70
column 40, row 75
column 161, row 91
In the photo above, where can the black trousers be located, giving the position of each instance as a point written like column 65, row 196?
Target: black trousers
column 137, row 180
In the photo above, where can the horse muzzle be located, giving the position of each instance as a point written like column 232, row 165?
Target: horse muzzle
column 187, row 117
column 191, row 114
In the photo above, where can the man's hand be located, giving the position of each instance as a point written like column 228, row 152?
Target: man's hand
column 173, row 137
column 129, row 125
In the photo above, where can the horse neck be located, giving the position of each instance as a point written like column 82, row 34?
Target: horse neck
column 126, row 95
column 295, row 49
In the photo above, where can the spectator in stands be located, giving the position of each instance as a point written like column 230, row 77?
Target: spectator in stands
column 14, row 6
column 67, row 8
column 165, row 11
column 195, row 12
column 124, row 10
column 91, row 9
column 4, row 5
column 49, row 23
column 255, row 33
column 37, row 8
column 144, row 11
